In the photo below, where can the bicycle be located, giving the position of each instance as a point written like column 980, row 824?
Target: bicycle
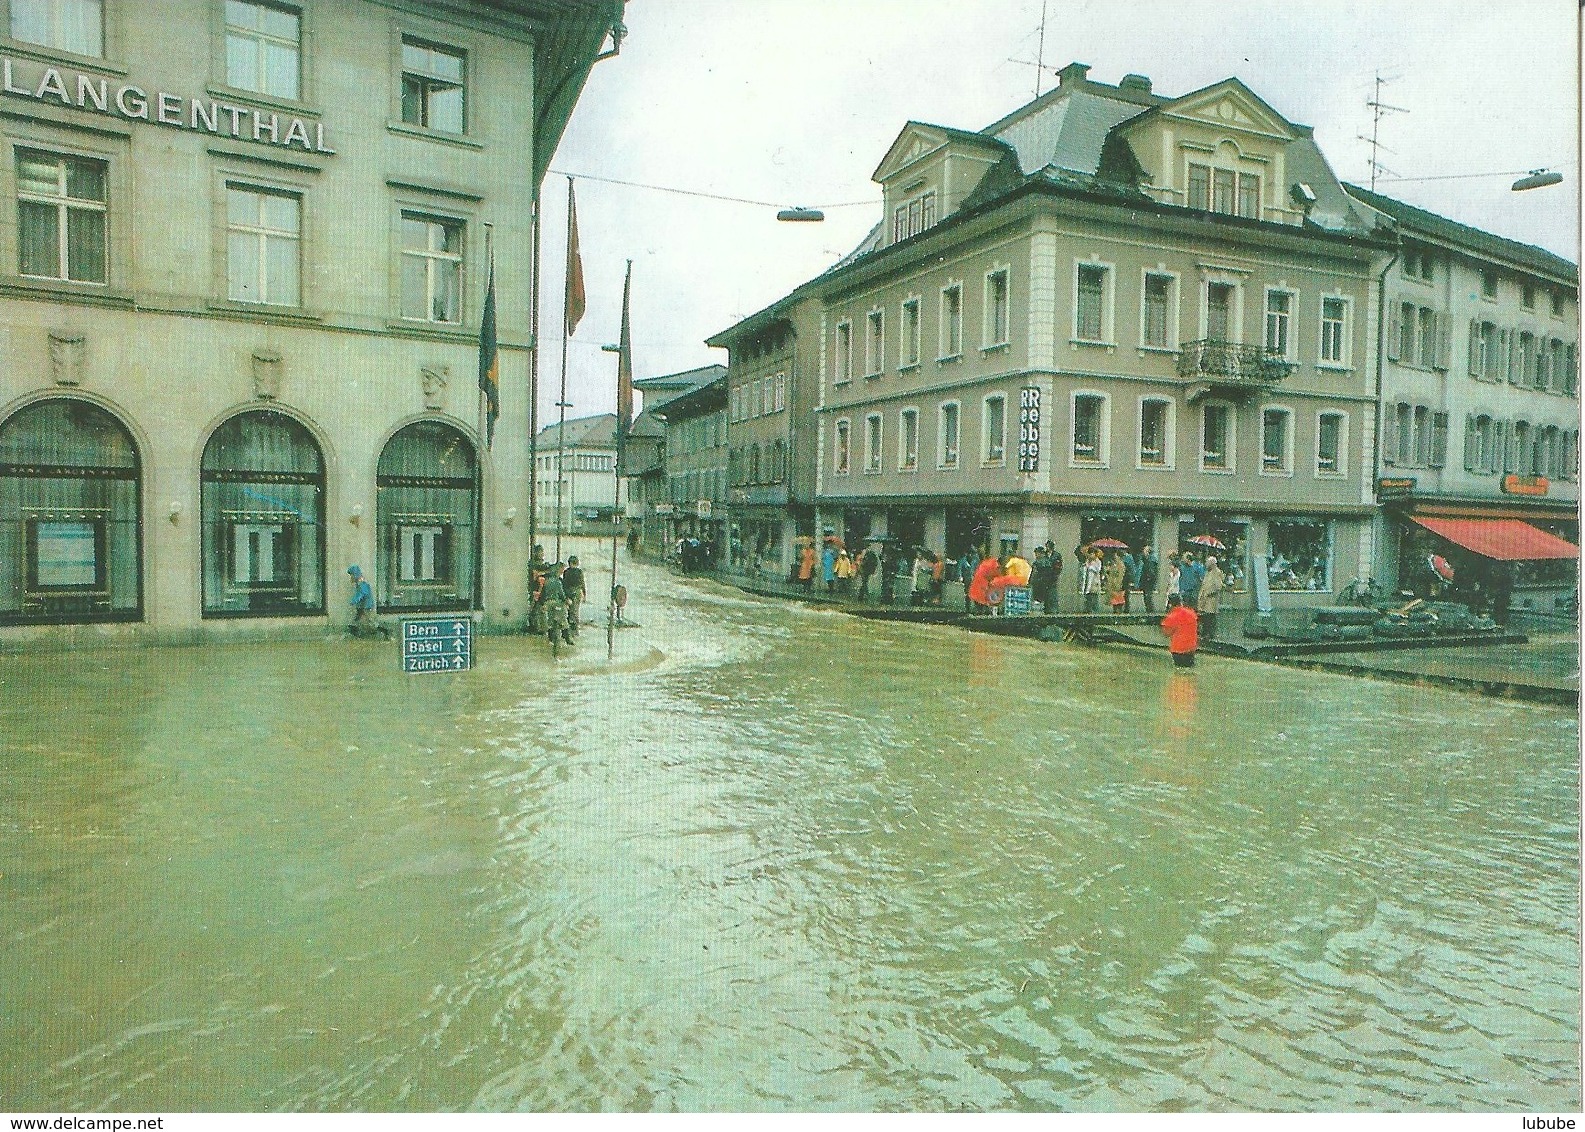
column 1361, row 591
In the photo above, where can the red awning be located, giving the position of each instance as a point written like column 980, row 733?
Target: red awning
column 1506, row 540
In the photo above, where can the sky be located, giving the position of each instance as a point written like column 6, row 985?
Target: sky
column 795, row 102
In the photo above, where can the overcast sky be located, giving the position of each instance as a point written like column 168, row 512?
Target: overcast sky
column 794, row 102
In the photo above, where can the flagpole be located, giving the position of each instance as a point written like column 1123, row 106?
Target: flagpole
column 624, row 410
column 561, row 399
column 489, row 268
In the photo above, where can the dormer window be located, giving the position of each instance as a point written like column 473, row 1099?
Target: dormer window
column 913, row 216
column 1224, row 190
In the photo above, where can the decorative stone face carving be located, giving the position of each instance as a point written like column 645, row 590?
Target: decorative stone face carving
column 268, row 371
column 68, row 350
column 435, row 379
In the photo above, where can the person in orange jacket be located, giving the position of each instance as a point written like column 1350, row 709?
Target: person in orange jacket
column 1181, row 626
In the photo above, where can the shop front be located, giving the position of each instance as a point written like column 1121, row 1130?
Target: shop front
column 1494, row 563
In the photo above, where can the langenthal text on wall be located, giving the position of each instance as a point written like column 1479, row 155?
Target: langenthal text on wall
column 55, row 86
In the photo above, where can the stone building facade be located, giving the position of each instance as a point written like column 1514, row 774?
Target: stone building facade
column 242, row 273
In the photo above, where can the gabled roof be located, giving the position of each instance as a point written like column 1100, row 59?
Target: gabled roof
column 584, row 432
column 664, row 387
column 920, row 139
column 1255, row 115
column 1409, row 218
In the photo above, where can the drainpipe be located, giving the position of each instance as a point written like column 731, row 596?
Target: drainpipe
column 1381, row 362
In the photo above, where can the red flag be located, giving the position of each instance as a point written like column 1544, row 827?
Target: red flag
column 574, row 296
column 624, row 367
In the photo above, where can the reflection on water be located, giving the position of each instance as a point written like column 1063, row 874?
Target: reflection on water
column 796, row 860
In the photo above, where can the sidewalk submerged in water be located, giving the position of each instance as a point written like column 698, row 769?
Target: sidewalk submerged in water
column 1540, row 664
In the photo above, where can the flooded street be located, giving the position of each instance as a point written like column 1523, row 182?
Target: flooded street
column 777, row 858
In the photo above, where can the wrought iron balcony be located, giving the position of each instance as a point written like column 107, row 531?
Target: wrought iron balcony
column 1235, row 364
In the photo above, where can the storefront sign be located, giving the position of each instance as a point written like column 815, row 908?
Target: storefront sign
column 1525, row 485
column 1029, row 429
column 663, row 508
column 56, row 86
column 437, row 644
column 1395, row 487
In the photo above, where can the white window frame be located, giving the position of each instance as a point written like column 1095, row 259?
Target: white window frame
column 264, row 234
column 875, row 342
column 436, row 263
column 1230, row 463
column 1108, row 302
column 781, row 393
column 908, row 339
column 1174, row 293
column 56, row 36
column 1346, row 343
column 874, row 443
column 257, row 39
column 1235, row 311
column 842, row 452
column 1103, row 429
column 950, row 321
column 989, row 458
column 988, row 322
column 754, row 399
column 842, row 353
column 903, row 417
column 1341, row 471
column 1287, row 320
column 1169, row 453
column 64, row 205
column 1285, row 468
column 949, row 456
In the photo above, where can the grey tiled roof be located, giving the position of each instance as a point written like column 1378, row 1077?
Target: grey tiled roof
column 584, row 432
column 1410, row 218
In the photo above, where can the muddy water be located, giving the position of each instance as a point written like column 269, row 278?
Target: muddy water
column 776, row 858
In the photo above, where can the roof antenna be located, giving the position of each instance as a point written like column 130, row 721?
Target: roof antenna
column 1379, row 110
column 1039, row 61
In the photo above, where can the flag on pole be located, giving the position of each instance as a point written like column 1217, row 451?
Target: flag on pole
column 489, row 360
column 574, row 295
column 624, row 369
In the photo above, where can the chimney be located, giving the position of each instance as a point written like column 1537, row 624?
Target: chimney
column 1073, row 73
column 1140, row 83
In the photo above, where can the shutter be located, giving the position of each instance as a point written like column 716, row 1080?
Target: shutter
column 1392, row 337
column 1438, row 440
column 1389, row 434
column 1570, row 370
column 1499, row 369
column 1515, row 376
column 1474, row 349
column 1471, row 443
column 1444, row 342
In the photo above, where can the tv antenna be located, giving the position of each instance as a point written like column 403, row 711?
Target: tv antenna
column 1039, row 61
column 1379, row 110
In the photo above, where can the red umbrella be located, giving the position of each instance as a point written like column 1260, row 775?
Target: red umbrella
column 1208, row 540
column 1442, row 566
column 1110, row 544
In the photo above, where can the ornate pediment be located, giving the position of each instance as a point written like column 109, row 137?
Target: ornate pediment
column 1230, row 105
column 916, row 141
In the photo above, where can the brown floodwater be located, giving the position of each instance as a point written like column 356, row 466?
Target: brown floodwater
column 777, row 858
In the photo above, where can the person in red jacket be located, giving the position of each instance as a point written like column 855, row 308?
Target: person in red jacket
column 980, row 587
column 1182, row 628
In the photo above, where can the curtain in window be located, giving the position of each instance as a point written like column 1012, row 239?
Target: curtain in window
column 68, row 472
column 428, row 478
column 263, row 491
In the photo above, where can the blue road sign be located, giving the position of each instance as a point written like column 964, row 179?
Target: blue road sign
column 1015, row 601
column 437, row 644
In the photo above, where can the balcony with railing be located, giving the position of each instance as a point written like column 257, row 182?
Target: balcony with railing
column 1229, row 367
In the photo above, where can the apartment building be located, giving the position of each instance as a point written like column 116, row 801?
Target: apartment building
column 242, row 276
column 575, row 462
column 1479, row 446
column 1110, row 313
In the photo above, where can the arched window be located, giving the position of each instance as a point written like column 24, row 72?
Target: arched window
column 263, row 501
column 69, row 516
column 428, row 520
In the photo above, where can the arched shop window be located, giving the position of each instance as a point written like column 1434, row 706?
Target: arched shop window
column 428, row 483
column 263, row 483
column 70, row 532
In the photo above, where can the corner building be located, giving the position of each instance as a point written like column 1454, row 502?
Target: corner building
column 243, row 267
